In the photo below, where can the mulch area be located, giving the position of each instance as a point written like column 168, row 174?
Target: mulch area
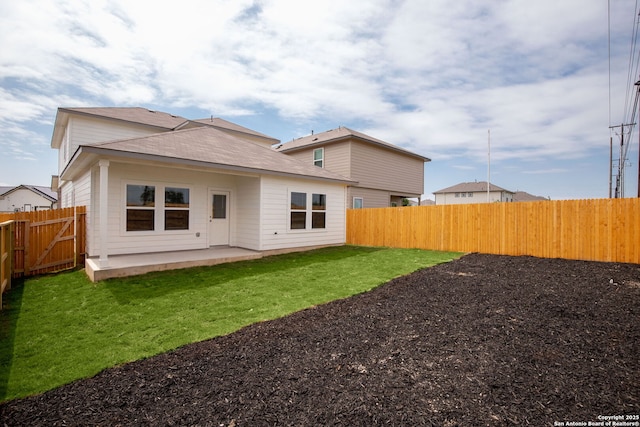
column 484, row 340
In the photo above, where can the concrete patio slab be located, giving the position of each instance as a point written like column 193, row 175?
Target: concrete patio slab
column 135, row 264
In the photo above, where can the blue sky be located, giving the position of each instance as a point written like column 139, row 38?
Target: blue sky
column 431, row 76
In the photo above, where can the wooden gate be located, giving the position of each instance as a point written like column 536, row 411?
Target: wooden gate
column 47, row 241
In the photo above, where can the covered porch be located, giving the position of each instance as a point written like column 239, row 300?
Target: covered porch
column 135, row 264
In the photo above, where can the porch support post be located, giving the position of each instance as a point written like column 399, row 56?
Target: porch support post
column 104, row 213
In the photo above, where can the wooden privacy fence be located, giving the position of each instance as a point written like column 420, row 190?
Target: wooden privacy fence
column 594, row 230
column 48, row 240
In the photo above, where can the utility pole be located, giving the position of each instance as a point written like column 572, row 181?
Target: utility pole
column 619, row 191
column 638, row 85
column 488, row 165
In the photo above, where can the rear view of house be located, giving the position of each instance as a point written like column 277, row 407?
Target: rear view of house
column 155, row 182
column 385, row 173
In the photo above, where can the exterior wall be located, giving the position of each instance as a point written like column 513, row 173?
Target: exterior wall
column 476, row 197
column 337, row 157
column 23, row 200
column 382, row 169
column 86, row 130
column 275, row 229
column 196, row 237
column 259, row 211
column 370, row 198
column 381, row 174
column 247, row 213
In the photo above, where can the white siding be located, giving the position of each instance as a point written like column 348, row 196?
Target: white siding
column 275, row 214
column 199, row 183
column 476, row 197
column 246, row 226
column 23, row 200
column 85, row 130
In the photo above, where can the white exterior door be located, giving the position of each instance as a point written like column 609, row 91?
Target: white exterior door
column 218, row 218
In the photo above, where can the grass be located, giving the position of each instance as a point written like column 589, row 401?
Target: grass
column 58, row 328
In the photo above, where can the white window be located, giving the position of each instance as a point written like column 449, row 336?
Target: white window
column 357, row 203
column 176, row 208
column 470, row 194
column 318, row 157
column 141, row 202
column 457, row 194
column 307, row 211
column 144, row 206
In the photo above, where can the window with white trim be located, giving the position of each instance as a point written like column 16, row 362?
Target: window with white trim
column 145, row 206
column 319, row 214
column 307, row 211
column 357, row 203
column 176, row 208
column 141, row 202
column 318, row 157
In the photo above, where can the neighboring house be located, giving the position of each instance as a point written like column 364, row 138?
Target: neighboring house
column 385, row 173
column 472, row 192
column 155, row 182
column 27, row 198
column 522, row 196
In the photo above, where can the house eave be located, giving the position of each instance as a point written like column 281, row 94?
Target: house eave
column 86, row 155
column 353, row 137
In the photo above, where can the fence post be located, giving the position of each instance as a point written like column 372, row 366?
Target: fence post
column 27, row 245
column 6, row 256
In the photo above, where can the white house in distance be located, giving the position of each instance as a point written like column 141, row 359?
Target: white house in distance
column 472, row 192
column 155, row 182
column 27, row 198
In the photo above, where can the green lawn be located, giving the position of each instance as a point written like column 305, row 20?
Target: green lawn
column 59, row 328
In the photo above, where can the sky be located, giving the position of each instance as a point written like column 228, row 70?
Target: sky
column 521, row 92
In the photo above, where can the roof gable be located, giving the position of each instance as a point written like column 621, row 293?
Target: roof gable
column 41, row 191
column 340, row 134
column 136, row 115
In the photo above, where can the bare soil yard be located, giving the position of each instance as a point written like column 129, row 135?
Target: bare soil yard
column 483, row 340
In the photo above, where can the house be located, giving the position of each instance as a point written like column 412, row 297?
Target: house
column 385, row 173
column 27, row 198
column 472, row 192
column 154, row 182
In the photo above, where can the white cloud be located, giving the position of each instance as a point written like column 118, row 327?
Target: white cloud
column 432, row 76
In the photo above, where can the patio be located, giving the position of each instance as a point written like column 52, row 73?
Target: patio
column 131, row 265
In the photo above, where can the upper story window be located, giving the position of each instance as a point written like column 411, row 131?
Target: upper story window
column 318, row 157
column 357, row 203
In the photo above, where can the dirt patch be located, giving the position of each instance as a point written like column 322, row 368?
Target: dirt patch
column 484, row 340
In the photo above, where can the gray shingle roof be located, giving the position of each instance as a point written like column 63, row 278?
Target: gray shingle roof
column 210, row 147
column 339, row 134
column 523, row 196
column 217, row 122
column 132, row 115
column 43, row 191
